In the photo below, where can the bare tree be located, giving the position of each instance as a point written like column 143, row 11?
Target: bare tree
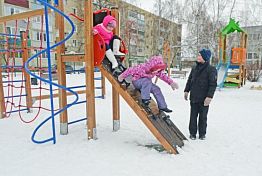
column 204, row 20
column 101, row 4
column 134, row 2
column 173, row 10
column 158, row 9
column 232, row 8
column 254, row 71
column 80, row 28
column 198, row 23
column 249, row 13
column 129, row 36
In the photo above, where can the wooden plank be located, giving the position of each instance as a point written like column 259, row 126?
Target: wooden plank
column 2, row 99
column 61, row 70
column 159, row 123
column 25, row 56
column 89, row 60
column 103, row 85
column 116, row 109
column 139, row 111
column 170, row 132
column 23, row 15
column 44, row 97
column 177, row 131
column 73, row 57
column 115, row 94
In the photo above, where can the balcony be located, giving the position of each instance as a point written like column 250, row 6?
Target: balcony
column 21, row 3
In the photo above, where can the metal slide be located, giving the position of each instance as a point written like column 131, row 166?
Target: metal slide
column 222, row 70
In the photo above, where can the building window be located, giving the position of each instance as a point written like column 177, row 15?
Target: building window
column 12, row 11
column 250, row 36
column 142, row 17
column 37, row 36
column 38, row 19
column 74, row 11
column 44, row 55
column 44, row 37
column 132, row 14
column 9, row 31
column 74, row 43
column 249, row 56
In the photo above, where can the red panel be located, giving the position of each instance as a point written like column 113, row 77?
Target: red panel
column 21, row 3
column 99, row 49
column 238, row 56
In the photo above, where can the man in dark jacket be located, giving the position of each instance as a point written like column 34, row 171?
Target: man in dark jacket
column 201, row 84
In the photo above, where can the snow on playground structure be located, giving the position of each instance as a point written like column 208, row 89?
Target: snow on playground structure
column 235, row 60
column 164, row 130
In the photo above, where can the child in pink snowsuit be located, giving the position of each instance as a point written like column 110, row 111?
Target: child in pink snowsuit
column 105, row 29
column 142, row 75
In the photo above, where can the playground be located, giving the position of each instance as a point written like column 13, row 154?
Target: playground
column 169, row 136
column 232, row 147
column 62, row 120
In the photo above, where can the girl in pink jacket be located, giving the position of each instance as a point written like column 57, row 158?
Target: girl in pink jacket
column 105, row 29
column 142, row 75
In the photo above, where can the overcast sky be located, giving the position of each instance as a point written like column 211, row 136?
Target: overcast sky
column 144, row 4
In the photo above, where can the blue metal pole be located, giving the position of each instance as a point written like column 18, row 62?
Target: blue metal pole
column 16, row 96
column 56, row 2
column 48, row 50
column 11, row 35
column 80, row 120
column 17, row 111
column 48, row 81
column 17, row 81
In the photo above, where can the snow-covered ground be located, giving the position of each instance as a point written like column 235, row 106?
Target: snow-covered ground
column 233, row 145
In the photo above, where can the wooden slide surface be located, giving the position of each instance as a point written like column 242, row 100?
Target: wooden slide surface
column 163, row 129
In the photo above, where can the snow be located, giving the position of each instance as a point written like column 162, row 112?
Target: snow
column 233, row 145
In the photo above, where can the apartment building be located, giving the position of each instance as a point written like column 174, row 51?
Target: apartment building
column 143, row 32
column 254, row 44
column 36, row 26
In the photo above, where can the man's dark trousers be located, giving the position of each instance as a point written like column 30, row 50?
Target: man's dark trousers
column 198, row 109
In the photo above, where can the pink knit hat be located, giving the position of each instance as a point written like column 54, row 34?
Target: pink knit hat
column 158, row 67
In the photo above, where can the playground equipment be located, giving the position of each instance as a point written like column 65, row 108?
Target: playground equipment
column 13, row 44
column 165, row 131
column 232, row 66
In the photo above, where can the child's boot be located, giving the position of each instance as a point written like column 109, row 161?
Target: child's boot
column 116, row 71
column 166, row 110
column 146, row 102
column 116, row 47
